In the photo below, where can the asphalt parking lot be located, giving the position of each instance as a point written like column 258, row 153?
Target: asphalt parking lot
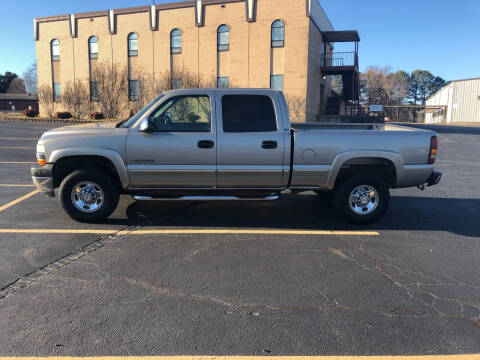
column 254, row 278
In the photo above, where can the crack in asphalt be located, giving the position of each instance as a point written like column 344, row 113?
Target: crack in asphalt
column 36, row 274
column 59, row 263
column 415, row 289
column 329, row 304
column 414, row 283
column 255, row 308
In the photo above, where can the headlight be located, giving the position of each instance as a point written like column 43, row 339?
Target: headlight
column 41, row 158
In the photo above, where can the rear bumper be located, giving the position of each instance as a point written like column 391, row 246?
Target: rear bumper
column 434, row 179
column 43, row 180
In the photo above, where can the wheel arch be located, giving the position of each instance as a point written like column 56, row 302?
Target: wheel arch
column 65, row 161
column 389, row 164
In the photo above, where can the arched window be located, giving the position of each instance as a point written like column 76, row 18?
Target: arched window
column 55, row 50
column 223, row 38
column 278, row 33
column 176, row 41
column 132, row 44
column 93, row 47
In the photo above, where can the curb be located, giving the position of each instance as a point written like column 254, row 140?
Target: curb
column 51, row 121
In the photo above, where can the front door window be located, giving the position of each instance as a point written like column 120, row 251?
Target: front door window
column 183, row 114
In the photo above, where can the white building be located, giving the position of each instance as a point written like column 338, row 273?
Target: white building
column 461, row 99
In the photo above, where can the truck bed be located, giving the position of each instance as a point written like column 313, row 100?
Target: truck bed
column 320, row 149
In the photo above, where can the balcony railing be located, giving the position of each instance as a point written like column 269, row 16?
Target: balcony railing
column 340, row 59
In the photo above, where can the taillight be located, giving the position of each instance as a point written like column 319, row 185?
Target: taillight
column 433, row 150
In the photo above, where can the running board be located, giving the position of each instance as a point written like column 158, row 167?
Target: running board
column 205, row 198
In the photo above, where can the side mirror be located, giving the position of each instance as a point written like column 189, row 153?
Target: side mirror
column 144, row 126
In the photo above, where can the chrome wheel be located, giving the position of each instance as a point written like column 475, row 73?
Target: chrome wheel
column 363, row 200
column 87, row 196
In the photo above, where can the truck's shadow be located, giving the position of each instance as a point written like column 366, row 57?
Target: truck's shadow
column 454, row 215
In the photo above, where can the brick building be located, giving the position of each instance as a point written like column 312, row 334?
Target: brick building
column 284, row 44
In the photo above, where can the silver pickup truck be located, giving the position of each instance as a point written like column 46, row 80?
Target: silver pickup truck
column 230, row 144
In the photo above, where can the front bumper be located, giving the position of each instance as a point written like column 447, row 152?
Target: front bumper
column 43, row 179
column 434, row 179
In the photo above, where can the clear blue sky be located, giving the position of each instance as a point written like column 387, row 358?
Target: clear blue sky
column 442, row 36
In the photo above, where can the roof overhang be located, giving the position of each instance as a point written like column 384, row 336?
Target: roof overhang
column 10, row 96
column 341, row 36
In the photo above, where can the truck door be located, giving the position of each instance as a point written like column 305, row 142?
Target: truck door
column 251, row 142
column 179, row 151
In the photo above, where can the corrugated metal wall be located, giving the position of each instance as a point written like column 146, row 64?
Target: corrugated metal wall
column 463, row 101
column 466, row 102
column 442, row 98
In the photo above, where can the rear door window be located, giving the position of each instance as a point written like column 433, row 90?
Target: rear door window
column 248, row 113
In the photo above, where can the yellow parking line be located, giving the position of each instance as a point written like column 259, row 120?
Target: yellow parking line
column 15, row 202
column 187, row 231
column 254, row 231
column 56, row 231
column 16, row 185
column 208, row 357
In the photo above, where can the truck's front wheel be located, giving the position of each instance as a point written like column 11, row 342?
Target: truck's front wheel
column 362, row 199
column 88, row 195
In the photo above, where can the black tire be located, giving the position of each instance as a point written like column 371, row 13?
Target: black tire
column 342, row 192
column 95, row 175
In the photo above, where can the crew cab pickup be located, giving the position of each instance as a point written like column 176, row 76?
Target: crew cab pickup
column 230, row 144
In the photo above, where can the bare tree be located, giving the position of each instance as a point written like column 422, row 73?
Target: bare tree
column 396, row 85
column 112, row 85
column 30, row 79
column 16, row 86
column 373, row 85
column 337, row 84
column 76, row 99
column 184, row 79
column 298, row 107
column 45, row 97
column 146, row 93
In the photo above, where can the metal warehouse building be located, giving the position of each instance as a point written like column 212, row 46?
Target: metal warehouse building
column 460, row 100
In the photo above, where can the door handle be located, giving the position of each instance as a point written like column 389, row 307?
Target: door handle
column 269, row 144
column 206, row 144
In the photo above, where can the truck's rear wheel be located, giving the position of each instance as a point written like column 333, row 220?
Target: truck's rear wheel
column 88, row 195
column 362, row 199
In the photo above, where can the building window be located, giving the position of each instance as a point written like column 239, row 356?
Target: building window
column 93, row 91
column 278, row 34
column 223, row 38
column 176, row 83
column 57, row 92
column 93, row 47
column 223, row 82
column 133, row 90
column 276, row 82
column 55, row 49
column 176, row 41
column 132, row 44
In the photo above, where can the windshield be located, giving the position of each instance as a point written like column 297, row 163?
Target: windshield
column 138, row 115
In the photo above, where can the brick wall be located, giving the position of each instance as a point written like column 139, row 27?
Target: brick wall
column 247, row 64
